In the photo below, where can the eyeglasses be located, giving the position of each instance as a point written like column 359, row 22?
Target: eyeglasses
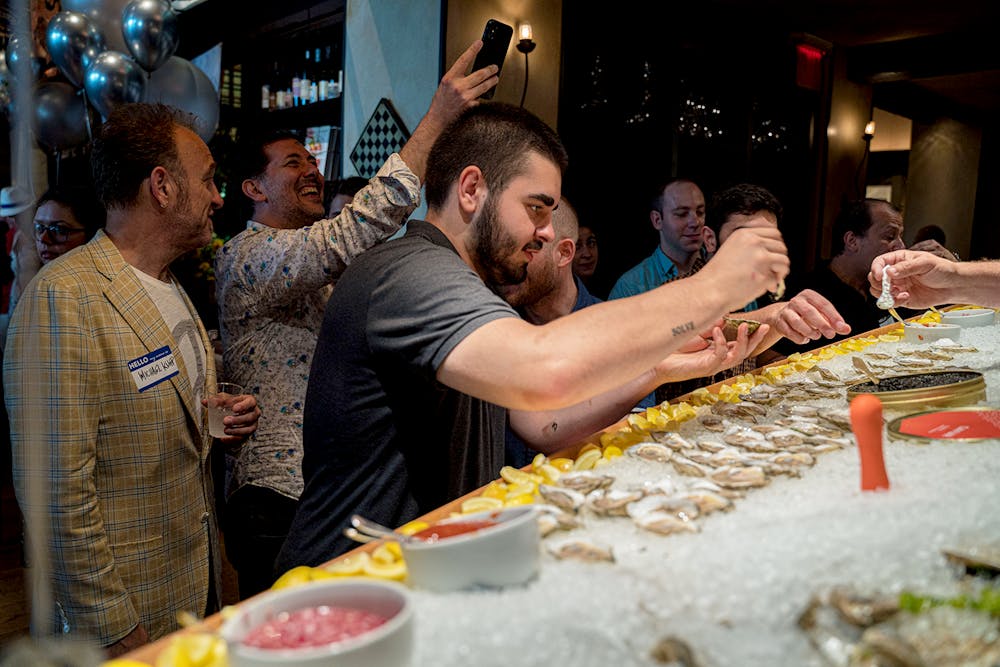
column 57, row 232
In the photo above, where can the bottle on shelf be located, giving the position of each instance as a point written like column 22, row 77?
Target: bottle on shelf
column 304, row 81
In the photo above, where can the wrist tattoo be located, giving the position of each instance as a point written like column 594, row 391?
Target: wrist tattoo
column 683, row 328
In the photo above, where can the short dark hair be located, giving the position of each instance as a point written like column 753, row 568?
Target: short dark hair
column 82, row 202
column 495, row 137
column 744, row 199
column 656, row 191
column 856, row 217
column 252, row 160
column 135, row 139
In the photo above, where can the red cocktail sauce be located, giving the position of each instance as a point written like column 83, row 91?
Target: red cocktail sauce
column 443, row 530
column 312, row 627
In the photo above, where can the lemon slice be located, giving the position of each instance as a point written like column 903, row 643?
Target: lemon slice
column 384, row 555
column 199, row 649
column 481, row 505
column 294, row 577
column 349, row 566
column 495, row 489
column 413, row 527
column 520, row 490
column 395, row 570
column 523, row 499
column 550, row 473
column 539, row 460
column 612, row 452
column 586, row 460
column 122, row 662
column 514, row 476
column 562, row 464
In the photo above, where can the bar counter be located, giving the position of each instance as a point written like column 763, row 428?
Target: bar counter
column 735, row 590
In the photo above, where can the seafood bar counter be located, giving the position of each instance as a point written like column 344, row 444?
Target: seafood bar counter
column 730, row 529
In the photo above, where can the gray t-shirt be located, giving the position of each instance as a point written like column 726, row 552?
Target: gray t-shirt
column 381, row 436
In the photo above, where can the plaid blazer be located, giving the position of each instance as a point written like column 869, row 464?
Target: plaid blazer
column 131, row 508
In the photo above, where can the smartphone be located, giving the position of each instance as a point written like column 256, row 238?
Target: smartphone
column 496, row 41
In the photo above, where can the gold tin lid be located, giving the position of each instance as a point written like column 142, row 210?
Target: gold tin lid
column 963, row 387
column 896, row 425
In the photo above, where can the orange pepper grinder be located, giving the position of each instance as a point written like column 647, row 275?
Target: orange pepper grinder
column 866, row 420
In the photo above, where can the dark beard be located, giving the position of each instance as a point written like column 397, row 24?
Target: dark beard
column 493, row 248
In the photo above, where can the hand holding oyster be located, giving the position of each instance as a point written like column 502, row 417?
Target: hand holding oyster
column 731, row 325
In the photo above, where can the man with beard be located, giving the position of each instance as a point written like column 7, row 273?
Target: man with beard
column 418, row 357
column 552, row 290
column 274, row 280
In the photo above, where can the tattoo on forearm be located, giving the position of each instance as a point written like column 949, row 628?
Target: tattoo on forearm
column 683, row 328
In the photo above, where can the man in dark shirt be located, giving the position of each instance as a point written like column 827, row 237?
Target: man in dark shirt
column 418, row 357
column 862, row 231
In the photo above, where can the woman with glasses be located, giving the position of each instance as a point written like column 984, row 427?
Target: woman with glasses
column 66, row 217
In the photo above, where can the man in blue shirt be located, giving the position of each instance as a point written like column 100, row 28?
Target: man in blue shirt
column 678, row 215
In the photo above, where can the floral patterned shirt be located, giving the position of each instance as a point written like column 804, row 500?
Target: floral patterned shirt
column 272, row 288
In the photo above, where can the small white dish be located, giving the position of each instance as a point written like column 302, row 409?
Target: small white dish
column 923, row 333
column 389, row 644
column 504, row 554
column 969, row 317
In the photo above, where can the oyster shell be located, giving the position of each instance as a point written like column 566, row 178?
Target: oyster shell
column 587, row 552
column 562, row 497
column 650, row 451
column 743, row 477
column 665, row 523
column 611, row 502
column 585, row 481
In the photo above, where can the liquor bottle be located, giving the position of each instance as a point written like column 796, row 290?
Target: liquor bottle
column 314, row 84
column 304, row 81
column 236, row 86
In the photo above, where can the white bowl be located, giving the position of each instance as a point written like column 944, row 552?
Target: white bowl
column 502, row 555
column 969, row 317
column 922, row 333
column 389, row 644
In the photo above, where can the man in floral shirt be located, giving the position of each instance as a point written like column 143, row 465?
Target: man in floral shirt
column 274, row 280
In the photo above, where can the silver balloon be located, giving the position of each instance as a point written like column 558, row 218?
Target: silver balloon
column 181, row 84
column 73, row 42
column 113, row 79
column 20, row 58
column 106, row 15
column 60, row 119
column 150, row 31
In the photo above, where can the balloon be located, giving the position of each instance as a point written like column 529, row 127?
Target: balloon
column 106, row 15
column 60, row 120
column 19, row 56
column 73, row 42
column 113, row 79
column 150, row 31
column 181, row 84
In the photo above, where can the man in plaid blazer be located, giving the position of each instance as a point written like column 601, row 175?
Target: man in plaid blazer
column 105, row 372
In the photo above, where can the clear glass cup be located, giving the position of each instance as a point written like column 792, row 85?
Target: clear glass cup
column 220, row 404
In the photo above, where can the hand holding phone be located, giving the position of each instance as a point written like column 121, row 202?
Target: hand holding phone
column 496, row 41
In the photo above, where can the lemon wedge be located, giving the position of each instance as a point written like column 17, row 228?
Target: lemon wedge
column 349, row 566
column 294, row 577
column 395, row 570
column 481, row 505
column 412, row 527
column 199, row 649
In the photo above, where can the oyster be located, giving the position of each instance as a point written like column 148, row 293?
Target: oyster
column 552, row 518
column 713, row 423
column 710, row 445
column 562, row 497
column 650, row 451
column 785, row 438
column 686, row 466
column 585, row 481
column 739, row 477
column 709, row 501
column 826, row 374
column 665, row 523
column 587, row 552
column 611, row 502
column 731, row 325
column 672, row 440
column 800, row 410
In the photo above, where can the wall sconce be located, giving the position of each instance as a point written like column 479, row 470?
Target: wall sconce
column 869, row 130
column 525, row 45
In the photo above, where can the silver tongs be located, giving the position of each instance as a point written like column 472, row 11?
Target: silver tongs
column 365, row 530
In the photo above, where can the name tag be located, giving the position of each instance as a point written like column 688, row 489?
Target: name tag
column 153, row 368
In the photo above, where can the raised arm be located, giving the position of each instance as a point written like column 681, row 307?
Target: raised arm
column 455, row 92
column 549, row 431
column 594, row 350
column 920, row 279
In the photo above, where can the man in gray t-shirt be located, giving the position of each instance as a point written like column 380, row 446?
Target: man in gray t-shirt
column 416, row 353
